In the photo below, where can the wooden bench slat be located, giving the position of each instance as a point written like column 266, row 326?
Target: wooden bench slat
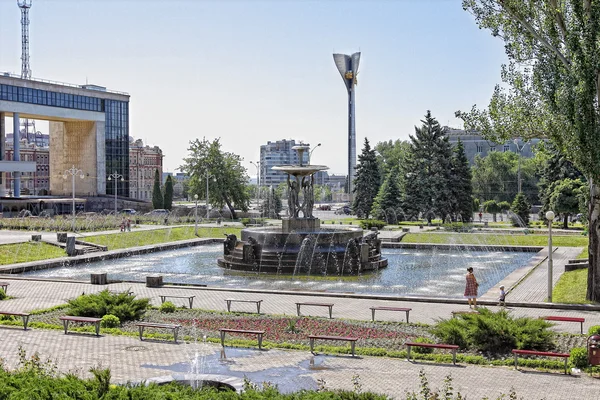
column 23, row 315
column 352, row 341
column 142, row 325
column 163, row 298
column 229, row 301
column 259, row 334
column 386, row 308
column 72, row 318
column 539, row 353
column 565, row 319
column 310, row 303
column 451, row 347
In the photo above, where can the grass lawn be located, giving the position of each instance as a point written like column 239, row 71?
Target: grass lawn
column 584, row 254
column 30, row 251
column 571, row 287
column 495, row 239
column 142, row 238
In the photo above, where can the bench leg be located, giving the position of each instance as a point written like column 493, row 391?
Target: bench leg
column 66, row 325
column 330, row 311
column 454, row 357
column 352, row 346
column 162, row 299
column 25, row 322
column 516, row 364
column 312, row 345
column 222, row 338
column 373, row 314
column 582, row 328
column 260, row 341
column 98, row 328
column 141, row 330
column 228, row 305
column 407, row 316
column 408, row 352
column 175, row 333
column 191, row 302
column 298, row 309
column 258, row 307
column 566, row 359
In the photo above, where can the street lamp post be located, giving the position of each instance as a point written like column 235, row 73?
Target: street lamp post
column 207, row 206
column 310, row 153
column 257, row 165
column 519, row 150
column 196, row 215
column 73, row 171
column 550, row 218
column 115, row 177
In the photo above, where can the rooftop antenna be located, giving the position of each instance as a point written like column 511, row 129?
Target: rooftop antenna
column 25, row 5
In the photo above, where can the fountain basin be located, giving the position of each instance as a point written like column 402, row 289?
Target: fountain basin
column 219, row 382
column 320, row 252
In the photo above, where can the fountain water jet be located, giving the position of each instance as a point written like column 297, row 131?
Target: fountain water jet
column 301, row 244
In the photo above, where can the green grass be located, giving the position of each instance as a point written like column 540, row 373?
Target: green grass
column 571, row 287
column 584, row 254
column 495, row 239
column 142, row 238
column 30, row 251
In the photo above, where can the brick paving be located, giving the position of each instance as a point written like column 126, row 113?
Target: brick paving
column 131, row 359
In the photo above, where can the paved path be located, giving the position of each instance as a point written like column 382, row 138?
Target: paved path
column 130, row 359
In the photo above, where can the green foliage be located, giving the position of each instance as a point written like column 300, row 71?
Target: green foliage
column 520, row 208
column 564, row 198
column 2, row 294
column 571, row 287
column 121, row 305
column 496, row 332
column 167, row 307
column 504, row 206
column 168, row 199
column 371, row 223
column 423, row 350
column 492, row 207
column 391, row 154
column 594, row 330
column 229, row 182
column 386, row 203
column 366, row 182
column 579, row 357
column 157, row 196
column 110, row 321
column 461, row 189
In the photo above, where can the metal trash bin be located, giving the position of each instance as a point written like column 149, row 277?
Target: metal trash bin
column 593, row 346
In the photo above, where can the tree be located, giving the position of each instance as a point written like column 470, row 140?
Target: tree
column 386, row 206
column 272, row 204
column 460, row 184
column 168, row 199
column 228, row 185
column 491, row 207
column 427, row 189
column 504, row 207
column 157, row 196
column 564, row 198
column 552, row 88
column 520, row 208
column 391, row 154
column 366, row 182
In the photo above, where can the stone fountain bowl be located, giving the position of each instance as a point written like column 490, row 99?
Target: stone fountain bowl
column 219, row 382
column 273, row 237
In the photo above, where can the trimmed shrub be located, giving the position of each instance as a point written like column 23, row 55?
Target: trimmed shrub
column 579, row 357
column 372, row 223
column 496, row 332
column 110, row 321
column 2, row 294
column 167, row 307
column 97, row 305
column 594, row 330
column 423, row 350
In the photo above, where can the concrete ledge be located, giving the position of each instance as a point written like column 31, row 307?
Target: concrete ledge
column 474, row 247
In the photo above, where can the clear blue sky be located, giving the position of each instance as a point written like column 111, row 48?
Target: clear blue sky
column 253, row 71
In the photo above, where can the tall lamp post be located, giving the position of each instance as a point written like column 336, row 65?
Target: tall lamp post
column 207, row 206
column 519, row 150
column 115, row 177
column 73, row 171
column 310, row 152
column 257, row 165
column 196, row 215
column 550, row 218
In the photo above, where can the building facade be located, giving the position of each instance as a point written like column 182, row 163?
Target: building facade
column 32, row 183
column 144, row 160
column 89, row 133
column 475, row 144
column 278, row 153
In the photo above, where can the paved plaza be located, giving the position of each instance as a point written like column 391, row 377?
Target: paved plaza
column 131, row 359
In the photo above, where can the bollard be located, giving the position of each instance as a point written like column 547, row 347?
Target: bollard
column 98, row 279
column 154, row 281
column 71, row 251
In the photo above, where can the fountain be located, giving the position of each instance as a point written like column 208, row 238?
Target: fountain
column 301, row 245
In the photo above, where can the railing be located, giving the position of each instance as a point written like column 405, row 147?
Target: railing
column 9, row 75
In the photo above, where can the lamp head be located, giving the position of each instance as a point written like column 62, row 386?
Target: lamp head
column 82, row 176
column 550, row 215
column 110, row 178
column 65, row 176
column 196, row 196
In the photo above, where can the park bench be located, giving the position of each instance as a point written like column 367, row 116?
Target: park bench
column 229, row 301
column 565, row 319
column 259, row 334
column 352, row 341
column 23, row 315
column 384, row 308
column 540, row 353
column 143, row 325
column 455, row 313
column 86, row 320
column 4, row 286
column 164, row 298
column 308, row 303
column 451, row 347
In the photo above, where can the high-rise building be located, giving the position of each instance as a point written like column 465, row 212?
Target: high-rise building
column 143, row 162
column 278, row 153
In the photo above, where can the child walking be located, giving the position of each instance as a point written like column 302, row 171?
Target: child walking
column 502, row 298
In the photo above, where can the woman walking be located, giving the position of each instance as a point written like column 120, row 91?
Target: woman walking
column 471, row 288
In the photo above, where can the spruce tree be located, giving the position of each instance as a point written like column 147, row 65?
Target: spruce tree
column 168, row 199
column 366, row 182
column 387, row 204
column 521, row 208
column 428, row 172
column 157, row 197
column 460, row 184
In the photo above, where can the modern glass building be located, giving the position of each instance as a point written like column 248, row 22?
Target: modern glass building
column 89, row 130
